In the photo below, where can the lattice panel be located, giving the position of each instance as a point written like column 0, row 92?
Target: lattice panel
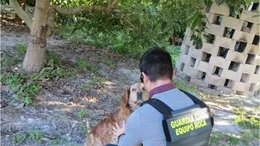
column 229, row 60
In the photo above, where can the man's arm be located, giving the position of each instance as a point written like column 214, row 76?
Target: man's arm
column 133, row 132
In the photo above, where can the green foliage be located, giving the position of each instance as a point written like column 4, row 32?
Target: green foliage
column 58, row 141
column 83, row 64
column 250, row 124
column 84, row 128
column 245, row 120
column 134, row 26
column 19, row 138
column 28, row 90
column 36, row 135
column 219, row 137
column 25, row 87
column 7, row 61
column 13, row 80
column 53, row 69
column 180, row 85
column 20, row 49
column 246, row 136
column 174, row 52
column 22, row 86
column 94, row 81
column 81, row 113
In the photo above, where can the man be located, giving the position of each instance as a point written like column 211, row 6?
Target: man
column 144, row 126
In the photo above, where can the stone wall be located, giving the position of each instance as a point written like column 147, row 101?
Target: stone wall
column 229, row 60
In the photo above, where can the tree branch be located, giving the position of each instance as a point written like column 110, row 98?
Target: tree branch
column 112, row 5
column 21, row 13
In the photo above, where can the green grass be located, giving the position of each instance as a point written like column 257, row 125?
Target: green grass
column 246, row 120
column 19, row 138
column 84, row 128
column 20, row 49
column 81, row 113
column 22, row 86
column 94, row 81
column 108, row 62
column 217, row 138
column 59, row 141
column 53, row 70
column 247, row 136
column 7, row 61
column 83, row 64
column 36, row 136
column 26, row 86
column 181, row 85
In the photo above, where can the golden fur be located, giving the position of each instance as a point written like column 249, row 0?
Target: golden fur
column 102, row 133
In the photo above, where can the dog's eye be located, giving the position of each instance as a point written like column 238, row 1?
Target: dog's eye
column 133, row 89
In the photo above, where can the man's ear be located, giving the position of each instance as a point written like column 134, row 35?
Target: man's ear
column 146, row 78
column 125, row 98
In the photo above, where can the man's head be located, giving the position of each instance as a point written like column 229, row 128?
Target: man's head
column 156, row 64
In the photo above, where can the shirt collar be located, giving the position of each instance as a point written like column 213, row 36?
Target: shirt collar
column 161, row 88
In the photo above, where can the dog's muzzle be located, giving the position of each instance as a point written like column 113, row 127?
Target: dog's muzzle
column 140, row 95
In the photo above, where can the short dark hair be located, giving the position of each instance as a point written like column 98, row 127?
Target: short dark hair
column 156, row 63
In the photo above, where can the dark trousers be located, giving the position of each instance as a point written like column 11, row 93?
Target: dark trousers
column 110, row 145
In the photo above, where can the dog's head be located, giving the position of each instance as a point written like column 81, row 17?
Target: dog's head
column 134, row 96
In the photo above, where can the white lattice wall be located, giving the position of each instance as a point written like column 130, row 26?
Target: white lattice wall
column 230, row 60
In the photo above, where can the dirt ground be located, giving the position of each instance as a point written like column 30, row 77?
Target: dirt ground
column 59, row 101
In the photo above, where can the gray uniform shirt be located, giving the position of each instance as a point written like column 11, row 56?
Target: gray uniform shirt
column 145, row 124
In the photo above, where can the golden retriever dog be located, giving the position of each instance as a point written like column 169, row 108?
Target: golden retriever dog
column 102, row 133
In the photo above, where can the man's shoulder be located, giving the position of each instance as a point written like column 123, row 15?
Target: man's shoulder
column 175, row 98
column 143, row 111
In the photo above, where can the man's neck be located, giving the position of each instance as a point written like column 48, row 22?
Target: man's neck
column 160, row 83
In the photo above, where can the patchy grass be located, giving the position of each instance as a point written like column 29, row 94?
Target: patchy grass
column 108, row 62
column 80, row 114
column 59, row 141
column 246, row 120
column 247, row 136
column 36, row 136
column 82, row 64
column 7, row 61
column 19, row 138
column 218, row 138
column 182, row 86
column 94, row 81
column 20, row 49
column 84, row 128
column 23, row 87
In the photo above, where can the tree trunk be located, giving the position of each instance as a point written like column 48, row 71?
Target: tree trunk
column 35, row 54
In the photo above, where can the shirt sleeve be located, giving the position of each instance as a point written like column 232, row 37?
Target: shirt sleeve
column 133, row 132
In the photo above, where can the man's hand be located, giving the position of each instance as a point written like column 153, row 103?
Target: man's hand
column 117, row 130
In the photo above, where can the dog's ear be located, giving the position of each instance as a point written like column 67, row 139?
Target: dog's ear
column 125, row 98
